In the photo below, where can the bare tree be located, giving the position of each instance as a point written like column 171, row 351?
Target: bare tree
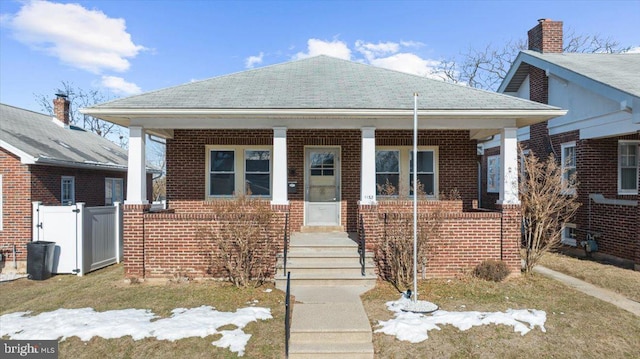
column 485, row 68
column 546, row 205
column 80, row 98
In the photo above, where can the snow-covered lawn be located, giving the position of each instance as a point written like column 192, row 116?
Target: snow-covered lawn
column 414, row 327
column 86, row 323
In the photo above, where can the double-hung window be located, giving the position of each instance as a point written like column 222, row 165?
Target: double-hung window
column 113, row 191
column 493, row 174
column 67, row 190
column 425, row 174
column 257, row 174
column 628, row 167
column 238, row 171
column 568, row 159
column 387, row 172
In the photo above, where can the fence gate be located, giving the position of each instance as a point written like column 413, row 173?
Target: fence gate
column 87, row 238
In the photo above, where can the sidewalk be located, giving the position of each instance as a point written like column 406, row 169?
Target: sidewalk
column 603, row 294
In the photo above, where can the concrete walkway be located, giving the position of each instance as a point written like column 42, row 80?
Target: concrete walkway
column 330, row 322
column 603, row 294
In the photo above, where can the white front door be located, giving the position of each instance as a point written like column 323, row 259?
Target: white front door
column 322, row 186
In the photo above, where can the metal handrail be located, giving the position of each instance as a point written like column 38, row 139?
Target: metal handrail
column 287, row 316
column 286, row 243
column 361, row 246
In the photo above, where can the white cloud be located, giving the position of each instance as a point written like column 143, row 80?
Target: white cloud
column 82, row 38
column 119, row 86
column 409, row 63
column 251, row 61
column 372, row 51
column 333, row 48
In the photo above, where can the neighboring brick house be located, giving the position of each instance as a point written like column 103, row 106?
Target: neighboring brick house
column 598, row 139
column 46, row 159
column 316, row 138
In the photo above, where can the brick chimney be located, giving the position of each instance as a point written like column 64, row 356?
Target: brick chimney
column 61, row 108
column 546, row 37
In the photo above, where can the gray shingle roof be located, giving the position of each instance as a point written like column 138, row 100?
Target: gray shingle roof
column 321, row 82
column 619, row 71
column 38, row 136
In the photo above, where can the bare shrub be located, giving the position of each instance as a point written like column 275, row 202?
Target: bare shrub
column 492, row 270
column 239, row 240
column 395, row 254
column 387, row 189
column 546, row 205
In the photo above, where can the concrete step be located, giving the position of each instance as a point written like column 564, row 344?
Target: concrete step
column 334, row 337
column 331, row 351
column 325, row 280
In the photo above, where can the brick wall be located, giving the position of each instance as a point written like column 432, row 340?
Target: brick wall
column 16, row 206
column 89, row 184
column 464, row 240
column 168, row 244
column 186, row 164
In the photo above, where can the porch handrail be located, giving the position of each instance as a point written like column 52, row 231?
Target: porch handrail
column 361, row 246
column 287, row 316
column 286, row 243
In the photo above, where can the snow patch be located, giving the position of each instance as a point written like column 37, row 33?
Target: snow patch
column 85, row 323
column 414, row 327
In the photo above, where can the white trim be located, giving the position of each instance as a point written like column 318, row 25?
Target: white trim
column 563, row 161
column 509, row 167
column 279, row 178
column 619, row 167
column 136, row 174
column 368, row 188
column 25, row 158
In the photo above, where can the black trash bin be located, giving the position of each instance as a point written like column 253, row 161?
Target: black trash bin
column 40, row 259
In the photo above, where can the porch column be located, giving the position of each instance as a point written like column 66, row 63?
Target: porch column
column 509, row 166
column 279, row 166
column 368, row 166
column 137, row 173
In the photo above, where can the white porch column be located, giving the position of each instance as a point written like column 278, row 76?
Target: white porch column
column 137, row 173
column 368, row 166
column 279, row 166
column 509, row 166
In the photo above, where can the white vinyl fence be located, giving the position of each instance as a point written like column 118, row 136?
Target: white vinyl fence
column 86, row 238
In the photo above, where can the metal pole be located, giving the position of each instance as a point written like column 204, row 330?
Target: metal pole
column 415, row 197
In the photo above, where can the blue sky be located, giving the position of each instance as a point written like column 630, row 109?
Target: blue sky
column 125, row 47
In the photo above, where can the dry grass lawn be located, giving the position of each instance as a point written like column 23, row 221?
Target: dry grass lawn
column 106, row 290
column 578, row 326
column 621, row 281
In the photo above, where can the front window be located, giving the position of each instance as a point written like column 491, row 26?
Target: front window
column 257, row 177
column 113, row 191
column 569, row 166
column 238, row 170
column 222, row 173
column 426, row 173
column 387, row 173
column 67, row 196
column 493, row 174
column 628, row 167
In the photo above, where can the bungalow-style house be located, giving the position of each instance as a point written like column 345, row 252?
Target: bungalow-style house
column 48, row 160
column 598, row 139
column 318, row 139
